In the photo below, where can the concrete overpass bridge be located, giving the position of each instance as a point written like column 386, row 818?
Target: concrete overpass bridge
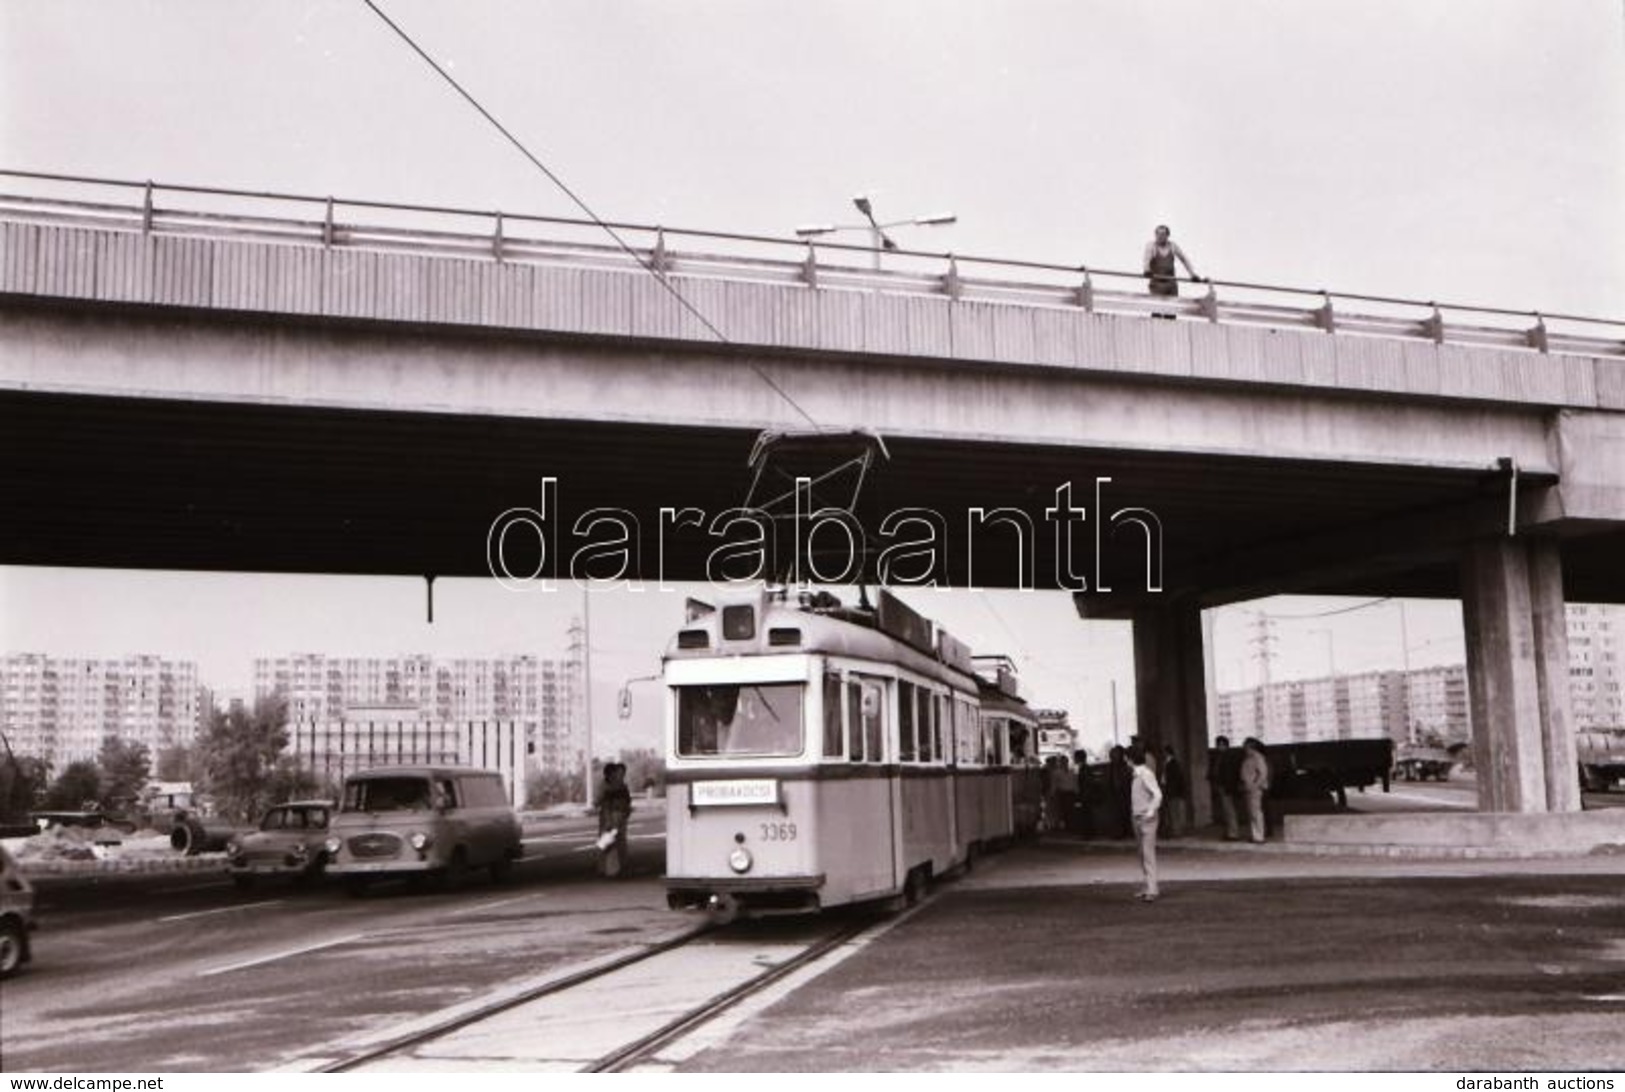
column 197, row 379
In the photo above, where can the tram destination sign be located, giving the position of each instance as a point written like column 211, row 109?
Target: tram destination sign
column 734, row 794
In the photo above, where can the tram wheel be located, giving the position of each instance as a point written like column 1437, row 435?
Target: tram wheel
column 914, row 886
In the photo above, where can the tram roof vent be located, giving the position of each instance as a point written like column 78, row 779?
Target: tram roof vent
column 898, row 619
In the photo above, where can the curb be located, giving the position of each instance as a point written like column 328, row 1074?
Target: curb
column 203, row 862
column 1330, row 849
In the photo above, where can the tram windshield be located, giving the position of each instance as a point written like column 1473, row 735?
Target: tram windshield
column 755, row 719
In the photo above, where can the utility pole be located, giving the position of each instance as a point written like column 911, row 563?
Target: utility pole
column 1263, row 638
column 1116, row 742
column 579, row 668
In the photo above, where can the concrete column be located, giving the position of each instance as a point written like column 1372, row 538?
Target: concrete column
column 1552, row 673
column 1170, row 691
column 1505, row 673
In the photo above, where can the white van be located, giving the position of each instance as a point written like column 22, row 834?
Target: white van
column 434, row 822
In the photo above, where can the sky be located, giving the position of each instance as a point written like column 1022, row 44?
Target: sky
column 1464, row 152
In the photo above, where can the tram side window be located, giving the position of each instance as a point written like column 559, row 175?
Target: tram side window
column 1020, row 744
column 907, row 751
column 967, row 741
column 863, row 723
column 997, row 739
column 832, row 715
column 873, row 727
column 854, row 721
column 925, row 723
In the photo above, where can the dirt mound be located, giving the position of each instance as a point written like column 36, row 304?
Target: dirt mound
column 90, row 844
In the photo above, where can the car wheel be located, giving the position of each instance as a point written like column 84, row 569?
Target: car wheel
column 452, row 876
column 11, row 947
column 313, row 871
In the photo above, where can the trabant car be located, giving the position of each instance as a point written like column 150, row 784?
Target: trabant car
column 290, row 841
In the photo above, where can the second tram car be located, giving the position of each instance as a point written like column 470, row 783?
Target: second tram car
column 819, row 755
column 1010, row 721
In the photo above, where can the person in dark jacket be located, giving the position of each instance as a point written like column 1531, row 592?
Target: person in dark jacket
column 1176, row 791
column 614, row 813
column 1119, row 777
column 1224, row 784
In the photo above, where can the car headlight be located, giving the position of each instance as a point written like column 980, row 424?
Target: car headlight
column 301, row 850
column 420, row 841
column 233, row 849
column 740, row 860
column 332, row 845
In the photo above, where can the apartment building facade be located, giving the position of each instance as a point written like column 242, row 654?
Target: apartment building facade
column 540, row 696
column 62, row 708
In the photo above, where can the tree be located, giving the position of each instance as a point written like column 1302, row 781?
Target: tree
column 544, row 788
column 291, row 781
column 79, row 783
column 174, row 763
column 644, row 770
column 23, row 783
column 124, row 768
column 236, row 757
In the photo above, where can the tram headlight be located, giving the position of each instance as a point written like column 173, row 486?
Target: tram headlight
column 740, row 860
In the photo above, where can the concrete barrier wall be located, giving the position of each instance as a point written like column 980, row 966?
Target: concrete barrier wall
column 1562, row 833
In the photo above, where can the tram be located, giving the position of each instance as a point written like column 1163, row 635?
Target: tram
column 820, row 755
column 1013, row 727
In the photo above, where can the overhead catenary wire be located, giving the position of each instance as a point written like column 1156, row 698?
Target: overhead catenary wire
column 581, row 204
column 1326, row 613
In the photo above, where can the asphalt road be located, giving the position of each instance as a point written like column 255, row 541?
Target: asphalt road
column 1249, row 962
column 1460, row 792
column 1255, row 959
column 167, row 973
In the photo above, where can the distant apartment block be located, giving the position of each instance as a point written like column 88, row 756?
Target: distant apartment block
column 1428, row 702
column 1597, row 666
column 400, row 735
column 539, row 696
column 61, row 709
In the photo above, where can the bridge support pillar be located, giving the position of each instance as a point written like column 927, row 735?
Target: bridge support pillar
column 1518, row 676
column 1170, row 692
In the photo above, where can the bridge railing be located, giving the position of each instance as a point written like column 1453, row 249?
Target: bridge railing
column 486, row 235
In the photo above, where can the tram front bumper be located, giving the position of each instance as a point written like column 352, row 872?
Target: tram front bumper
column 759, row 894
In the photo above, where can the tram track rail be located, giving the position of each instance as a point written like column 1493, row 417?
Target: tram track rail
column 643, row 1049
column 648, row 1047
column 477, row 1014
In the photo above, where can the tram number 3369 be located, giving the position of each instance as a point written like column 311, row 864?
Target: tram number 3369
column 778, row 832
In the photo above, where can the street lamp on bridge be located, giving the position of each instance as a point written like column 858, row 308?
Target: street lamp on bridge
column 877, row 230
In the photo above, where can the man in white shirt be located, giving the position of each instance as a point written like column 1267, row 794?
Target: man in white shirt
column 1145, row 798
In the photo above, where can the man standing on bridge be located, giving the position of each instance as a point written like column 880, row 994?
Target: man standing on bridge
column 1160, row 254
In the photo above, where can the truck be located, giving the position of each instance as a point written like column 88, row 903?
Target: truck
column 1602, row 759
column 1327, row 769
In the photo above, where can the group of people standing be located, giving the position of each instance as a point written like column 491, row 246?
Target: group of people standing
column 1237, row 782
